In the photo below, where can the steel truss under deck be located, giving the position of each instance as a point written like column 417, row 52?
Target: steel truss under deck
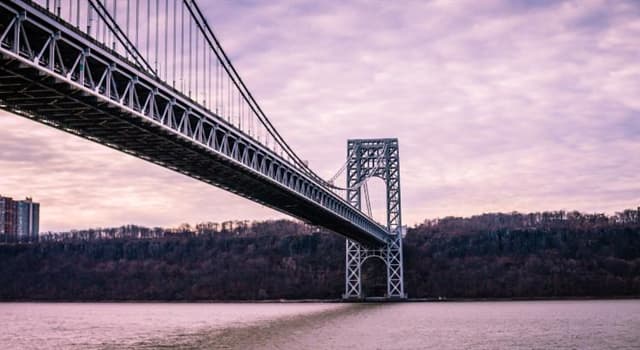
column 52, row 73
column 375, row 158
column 55, row 74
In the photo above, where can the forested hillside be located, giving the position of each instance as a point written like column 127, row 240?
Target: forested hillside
column 488, row 256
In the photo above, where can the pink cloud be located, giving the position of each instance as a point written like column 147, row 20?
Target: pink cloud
column 498, row 106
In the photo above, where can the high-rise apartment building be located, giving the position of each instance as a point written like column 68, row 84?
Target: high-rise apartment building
column 7, row 218
column 19, row 220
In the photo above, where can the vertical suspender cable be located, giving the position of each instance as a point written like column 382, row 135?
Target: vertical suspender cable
column 190, row 76
column 251, row 124
column 115, row 18
column 217, row 91
column 89, row 19
column 128, row 14
column 182, row 54
column 222, row 95
column 211, row 72
column 157, row 36
column 78, row 14
column 207, row 82
column 137, row 23
column 229, row 101
column 97, row 37
column 166, row 40
column 103, row 28
column 107, row 31
column 105, row 35
column 234, row 110
column 216, row 84
column 197, row 78
column 204, row 75
column 175, row 29
column 148, row 25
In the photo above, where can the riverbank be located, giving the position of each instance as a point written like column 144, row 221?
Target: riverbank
column 311, row 301
column 457, row 259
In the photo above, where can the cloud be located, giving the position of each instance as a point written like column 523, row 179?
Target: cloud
column 82, row 184
column 498, row 106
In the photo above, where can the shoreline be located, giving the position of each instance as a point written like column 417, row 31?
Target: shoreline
column 351, row 301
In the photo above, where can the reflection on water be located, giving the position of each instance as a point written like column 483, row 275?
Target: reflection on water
column 283, row 333
column 132, row 325
column 450, row 325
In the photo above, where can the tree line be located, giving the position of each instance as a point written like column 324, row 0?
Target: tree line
column 501, row 255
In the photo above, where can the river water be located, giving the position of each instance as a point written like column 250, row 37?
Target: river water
column 593, row 324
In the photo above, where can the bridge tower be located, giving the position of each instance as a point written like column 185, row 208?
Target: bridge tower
column 375, row 158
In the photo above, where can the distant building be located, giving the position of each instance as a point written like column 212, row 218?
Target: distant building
column 7, row 219
column 19, row 220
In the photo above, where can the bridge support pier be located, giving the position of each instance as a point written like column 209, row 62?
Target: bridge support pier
column 391, row 255
column 365, row 159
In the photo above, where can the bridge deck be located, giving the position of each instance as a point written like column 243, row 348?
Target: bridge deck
column 185, row 138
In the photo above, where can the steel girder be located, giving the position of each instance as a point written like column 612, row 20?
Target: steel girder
column 375, row 158
column 56, row 75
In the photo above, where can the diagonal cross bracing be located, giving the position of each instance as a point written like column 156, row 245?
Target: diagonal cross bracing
column 380, row 158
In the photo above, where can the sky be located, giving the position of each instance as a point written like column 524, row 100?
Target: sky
column 498, row 106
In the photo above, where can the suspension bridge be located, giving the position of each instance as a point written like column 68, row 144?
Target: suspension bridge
column 150, row 79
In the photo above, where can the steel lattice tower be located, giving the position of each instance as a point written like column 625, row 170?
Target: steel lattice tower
column 375, row 158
